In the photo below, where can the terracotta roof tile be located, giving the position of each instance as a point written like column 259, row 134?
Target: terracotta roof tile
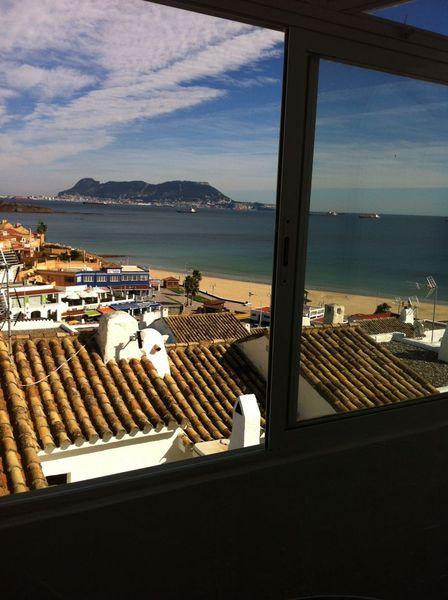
column 55, row 393
column 352, row 372
column 386, row 325
column 21, row 468
column 205, row 327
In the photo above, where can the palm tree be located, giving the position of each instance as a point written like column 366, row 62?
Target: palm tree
column 42, row 228
column 197, row 275
column 191, row 285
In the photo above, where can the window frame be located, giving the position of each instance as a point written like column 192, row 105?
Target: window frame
column 310, row 32
column 359, row 425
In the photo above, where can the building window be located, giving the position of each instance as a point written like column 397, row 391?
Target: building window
column 374, row 325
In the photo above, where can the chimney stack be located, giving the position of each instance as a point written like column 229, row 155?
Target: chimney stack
column 334, row 314
column 118, row 337
column 246, row 425
column 407, row 315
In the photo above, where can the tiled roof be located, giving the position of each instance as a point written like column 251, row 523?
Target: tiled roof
column 37, row 334
column 257, row 330
column 203, row 327
column 363, row 316
column 84, row 400
column 386, row 325
column 351, row 371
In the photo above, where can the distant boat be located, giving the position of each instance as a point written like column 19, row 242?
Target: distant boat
column 369, row 216
column 186, row 210
column 332, row 213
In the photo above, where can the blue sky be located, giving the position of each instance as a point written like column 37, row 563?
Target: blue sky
column 116, row 89
column 88, row 89
column 426, row 14
column 381, row 143
column 382, row 140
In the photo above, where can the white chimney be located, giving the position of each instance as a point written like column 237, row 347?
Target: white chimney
column 246, row 425
column 118, row 336
column 153, row 346
column 407, row 315
column 334, row 314
column 443, row 350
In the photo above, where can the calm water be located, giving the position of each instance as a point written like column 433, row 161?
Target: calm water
column 346, row 253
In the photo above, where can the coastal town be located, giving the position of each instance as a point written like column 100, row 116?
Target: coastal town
column 181, row 195
column 106, row 367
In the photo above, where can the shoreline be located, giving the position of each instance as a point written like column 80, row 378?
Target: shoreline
column 237, row 289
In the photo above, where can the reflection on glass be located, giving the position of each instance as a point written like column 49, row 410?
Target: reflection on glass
column 431, row 15
column 376, row 305
column 141, row 142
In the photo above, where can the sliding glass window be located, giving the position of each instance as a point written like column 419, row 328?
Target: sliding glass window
column 374, row 324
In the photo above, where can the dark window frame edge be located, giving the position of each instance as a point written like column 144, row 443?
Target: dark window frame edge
column 285, row 440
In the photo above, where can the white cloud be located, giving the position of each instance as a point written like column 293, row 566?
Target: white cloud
column 144, row 61
column 380, row 165
column 46, row 83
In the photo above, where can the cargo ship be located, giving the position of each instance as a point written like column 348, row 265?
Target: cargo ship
column 369, row 216
column 186, row 210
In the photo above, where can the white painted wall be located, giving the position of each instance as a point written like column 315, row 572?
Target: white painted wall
column 149, row 317
column 399, row 336
column 382, row 338
column 117, row 336
column 407, row 315
column 257, row 352
column 115, row 456
column 153, row 345
column 311, row 405
column 443, row 349
column 438, row 335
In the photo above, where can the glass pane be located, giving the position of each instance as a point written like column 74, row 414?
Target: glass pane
column 376, row 312
column 140, row 145
column 431, row 15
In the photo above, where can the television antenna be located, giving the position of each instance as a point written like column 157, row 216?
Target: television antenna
column 432, row 287
column 399, row 300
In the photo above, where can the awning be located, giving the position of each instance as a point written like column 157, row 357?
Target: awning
column 105, row 309
column 92, row 313
column 87, row 294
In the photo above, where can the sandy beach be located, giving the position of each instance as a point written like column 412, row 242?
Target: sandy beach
column 239, row 290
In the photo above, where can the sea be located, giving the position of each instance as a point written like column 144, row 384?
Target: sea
column 391, row 256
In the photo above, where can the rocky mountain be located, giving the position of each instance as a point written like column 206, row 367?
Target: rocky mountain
column 169, row 191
